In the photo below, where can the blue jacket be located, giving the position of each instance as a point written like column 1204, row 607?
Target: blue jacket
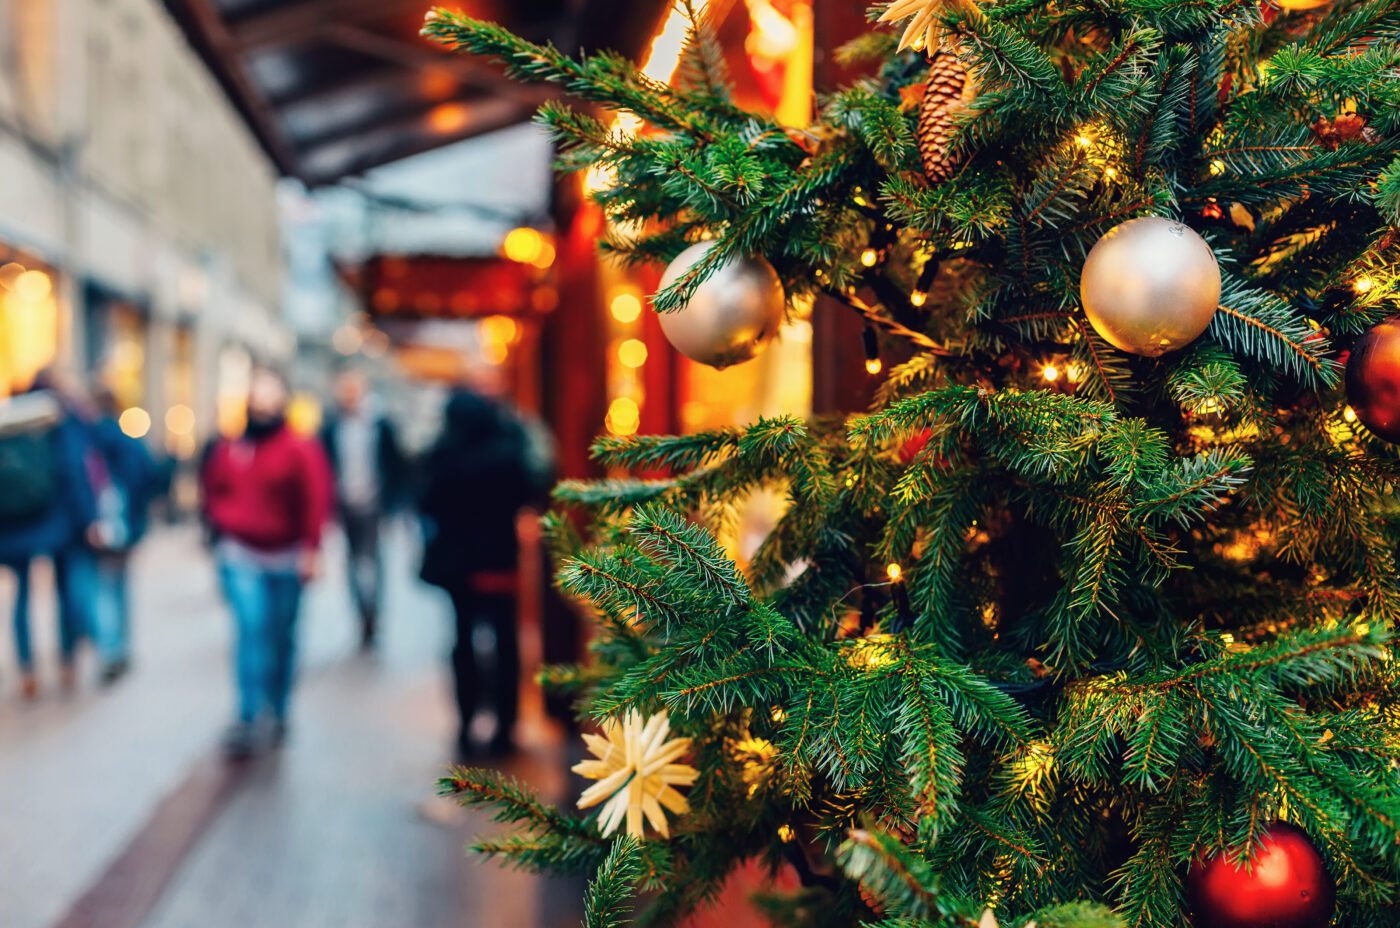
column 131, row 468
column 74, row 506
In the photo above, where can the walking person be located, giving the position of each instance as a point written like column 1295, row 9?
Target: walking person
column 123, row 501
column 47, row 509
column 363, row 448
column 475, row 483
column 266, row 498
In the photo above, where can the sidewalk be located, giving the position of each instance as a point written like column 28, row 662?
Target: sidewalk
column 327, row 833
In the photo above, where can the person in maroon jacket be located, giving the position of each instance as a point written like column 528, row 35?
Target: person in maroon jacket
column 267, row 496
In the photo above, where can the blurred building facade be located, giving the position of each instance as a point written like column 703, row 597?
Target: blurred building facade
column 139, row 234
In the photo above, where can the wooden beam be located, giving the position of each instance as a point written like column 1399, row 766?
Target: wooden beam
column 295, row 23
column 404, row 138
column 210, row 38
column 418, row 58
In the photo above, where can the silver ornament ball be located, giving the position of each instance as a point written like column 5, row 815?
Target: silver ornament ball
column 733, row 314
column 1150, row 286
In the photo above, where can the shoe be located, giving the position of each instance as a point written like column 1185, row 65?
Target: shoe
column 115, row 670
column 29, row 686
column 240, row 741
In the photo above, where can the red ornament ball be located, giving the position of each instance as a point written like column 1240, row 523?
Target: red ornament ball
column 1373, row 380
column 1286, row 887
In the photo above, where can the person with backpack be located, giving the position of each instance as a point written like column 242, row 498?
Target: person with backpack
column 477, row 478
column 123, row 500
column 267, row 497
column 47, row 509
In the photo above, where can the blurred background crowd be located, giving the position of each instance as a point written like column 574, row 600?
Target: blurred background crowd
column 297, row 328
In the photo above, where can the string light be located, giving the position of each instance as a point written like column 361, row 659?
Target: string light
column 1083, row 141
column 625, row 307
column 1349, row 414
column 869, row 256
column 1109, row 173
column 1217, row 167
column 632, row 353
column 918, row 298
column 873, row 366
column 1050, row 372
column 623, row 416
column 894, row 572
column 785, row 834
column 1363, row 284
column 1074, row 373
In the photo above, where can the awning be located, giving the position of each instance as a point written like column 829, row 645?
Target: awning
column 332, row 88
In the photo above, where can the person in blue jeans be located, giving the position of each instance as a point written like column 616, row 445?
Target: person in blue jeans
column 47, row 509
column 267, row 495
column 123, row 500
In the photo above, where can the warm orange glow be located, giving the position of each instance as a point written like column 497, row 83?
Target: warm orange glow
column 526, row 246
column 918, row 298
column 873, row 366
column 135, row 422
column 894, row 572
column 447, row 118
column 438, row 83
column 869, row 256
column 1363, row 285
column 1050, row 372
column 33, row 285
column 626, row 306
column 179, row 419
column 501, row 329
column 632, row 353
column 623, row 416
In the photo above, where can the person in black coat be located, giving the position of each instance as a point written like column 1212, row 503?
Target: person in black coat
column 370, row 477
column 476, row 480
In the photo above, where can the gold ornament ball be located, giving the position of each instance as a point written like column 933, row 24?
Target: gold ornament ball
column 1150, row 286
column 1299, row 5
column 733, row 314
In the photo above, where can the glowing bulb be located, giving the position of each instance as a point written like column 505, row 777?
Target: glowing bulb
column 785, row 833
column 179, row 419
column 918, row 298
column 1349, row 414
column 894, row 572
column 625, row 307
column 873, row 366
column 1083, row 141
column 33, row 285
column 135, row 422
column 861, row 201
column 869, row 257
column 1217, row 166
column 524, row 245
column 624, row 415
column 1074, row 372
column 632, row 353
column 1362, row 285
column 1110, row 173
column 1050, row 372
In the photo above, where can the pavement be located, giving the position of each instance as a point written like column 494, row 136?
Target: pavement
column 117, row 812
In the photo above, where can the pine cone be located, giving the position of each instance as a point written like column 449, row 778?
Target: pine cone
column 949, row 89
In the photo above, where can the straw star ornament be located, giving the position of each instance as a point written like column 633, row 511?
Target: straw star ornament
column 924, row 26
column 637, row 774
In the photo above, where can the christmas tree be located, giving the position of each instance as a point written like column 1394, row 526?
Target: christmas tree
column 1087, row 620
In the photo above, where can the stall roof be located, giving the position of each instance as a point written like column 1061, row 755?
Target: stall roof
column 333, row 88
